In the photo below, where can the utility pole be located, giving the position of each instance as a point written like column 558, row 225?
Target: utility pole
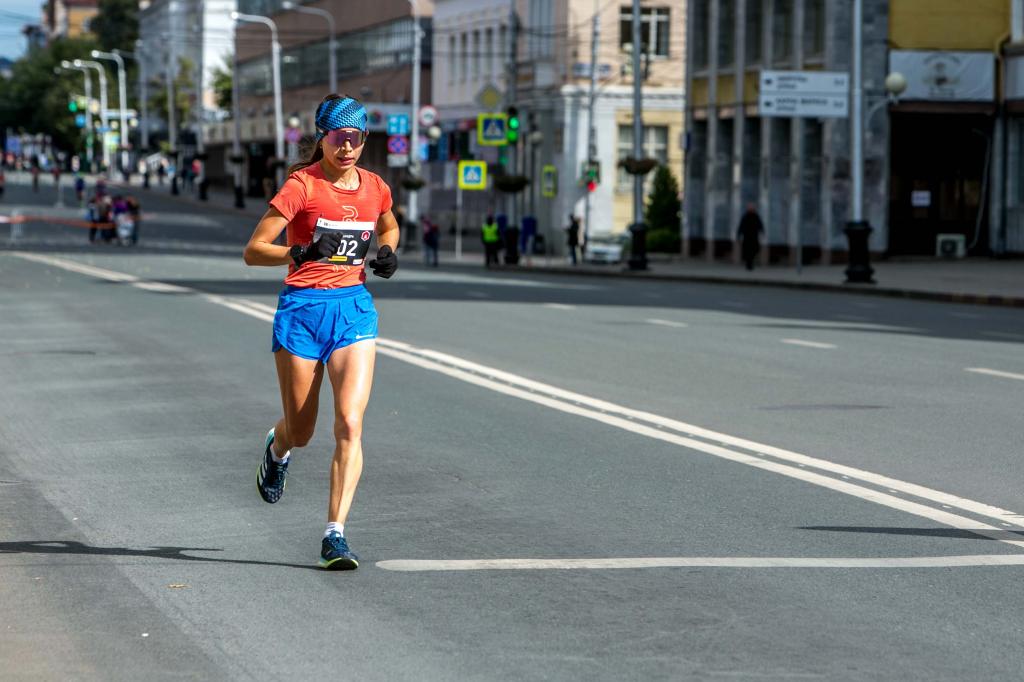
column 143, row 94
column 123, row 97
column 513, row 55
column 638, row 259
column 200, row 147
column 414, row 141
column 90, row 138
column 103, row 107
column 236, row 120
column 857, row 230
column 172, row 123
column 595, row 38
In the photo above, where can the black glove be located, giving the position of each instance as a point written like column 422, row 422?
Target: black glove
column 325, row 247
column 386, row 262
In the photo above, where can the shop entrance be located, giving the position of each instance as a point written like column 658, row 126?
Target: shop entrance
column 937, row 180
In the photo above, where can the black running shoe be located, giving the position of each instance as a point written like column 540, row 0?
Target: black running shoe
column 270, row 476
column 335, row 554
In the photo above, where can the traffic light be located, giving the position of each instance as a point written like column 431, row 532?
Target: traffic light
column 592, row 175
column 513, row 125
column 73, row 106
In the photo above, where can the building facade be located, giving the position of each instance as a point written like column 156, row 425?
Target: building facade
column 536, row 56
column 374, row 64
column 933, row 161
column 68, row 18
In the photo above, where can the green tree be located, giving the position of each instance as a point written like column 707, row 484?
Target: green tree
column 662, row 213
column 35, row 98
column 222, row 83
column 116, row 25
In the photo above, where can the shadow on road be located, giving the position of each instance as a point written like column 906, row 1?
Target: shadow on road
column 75, row 548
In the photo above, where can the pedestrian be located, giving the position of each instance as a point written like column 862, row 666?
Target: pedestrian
column 35, row 176
column 3, row 182
column 326, row 322
column 528, row 238
column 135, row 211
column 431, row 241
column 92, row 215
column 572, row 237
column 79, row 188
column 749, row 232
column 491, row 239
column 161, row 172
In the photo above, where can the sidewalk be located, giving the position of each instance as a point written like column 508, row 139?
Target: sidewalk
column 980, row 281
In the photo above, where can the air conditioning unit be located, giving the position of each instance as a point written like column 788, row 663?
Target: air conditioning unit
column 950, row 245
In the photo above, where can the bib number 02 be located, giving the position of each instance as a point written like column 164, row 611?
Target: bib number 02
column 355, row 240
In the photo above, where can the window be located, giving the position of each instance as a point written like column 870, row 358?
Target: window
column 541, row 19
column 654, row 27
column 464, row 56
column 782, row 30
column 814, row 29
column 502, row 48
column 755, row 29
column 452, row 63
column 700, row 34
column 726, row 34
column 655, row 147
column 476, row 55
column 488, row 53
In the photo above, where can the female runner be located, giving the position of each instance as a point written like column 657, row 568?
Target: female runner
column 325, row 316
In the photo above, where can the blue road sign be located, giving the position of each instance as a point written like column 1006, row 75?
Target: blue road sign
column 398, row 144
column 472, row 175
column 80, row 120
column 398, row 124
column 490, row 130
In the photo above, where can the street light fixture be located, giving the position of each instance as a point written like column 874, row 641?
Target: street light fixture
column 275, row 59
column 143, row 94
column 82, row 63
column 90, row 135
column 122, row 94
column 331, row 44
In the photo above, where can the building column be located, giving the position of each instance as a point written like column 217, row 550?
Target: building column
column 739, row 121
column 764, row 195
column 794, row 237
column 712, row 134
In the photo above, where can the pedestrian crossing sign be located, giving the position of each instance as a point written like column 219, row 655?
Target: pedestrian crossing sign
column 549, row 180
column 491, row 130
column 472, row 175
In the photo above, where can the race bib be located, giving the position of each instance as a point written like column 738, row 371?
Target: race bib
column 355, row 240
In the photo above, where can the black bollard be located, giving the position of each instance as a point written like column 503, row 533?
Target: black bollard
column 239, row 197
column 638, row 247
column 859, row 268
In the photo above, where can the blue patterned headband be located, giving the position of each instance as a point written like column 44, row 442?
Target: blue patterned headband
column 339, row 113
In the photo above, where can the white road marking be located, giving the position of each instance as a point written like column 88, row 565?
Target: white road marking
column 995, row 373
column 559, row 306
column 732, row 448
column 666, row 323
column 701, row 562
column 808, row 344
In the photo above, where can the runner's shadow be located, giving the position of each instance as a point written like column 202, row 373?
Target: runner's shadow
column 160, row 552
column 994, row 534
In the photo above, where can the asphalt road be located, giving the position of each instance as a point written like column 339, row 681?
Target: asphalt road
column 565, row 478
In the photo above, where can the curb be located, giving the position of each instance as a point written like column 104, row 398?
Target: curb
column 867, row 289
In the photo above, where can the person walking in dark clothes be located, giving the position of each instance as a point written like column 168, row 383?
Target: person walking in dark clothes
column 572, row 241
column 750, row 230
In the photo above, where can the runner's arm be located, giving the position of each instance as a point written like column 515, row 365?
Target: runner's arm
column 387, row 230
column 261, row 249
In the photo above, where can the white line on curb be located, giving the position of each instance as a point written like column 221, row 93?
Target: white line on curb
column 666, row 323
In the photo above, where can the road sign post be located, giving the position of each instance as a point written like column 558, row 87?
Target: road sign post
column 472, row 176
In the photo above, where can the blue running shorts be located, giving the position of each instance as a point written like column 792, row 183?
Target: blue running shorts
column 313, row 323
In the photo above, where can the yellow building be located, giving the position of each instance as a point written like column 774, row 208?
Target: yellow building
column 69, row 18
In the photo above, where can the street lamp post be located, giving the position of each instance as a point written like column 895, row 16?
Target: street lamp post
column 638, row 258
column 275, row 63
column 104, row 121
column 122, row 95
column 332, row 45
column 143, row 92
column 90, row 136
column 236, row 128
column 172, row 114
column 414, row 142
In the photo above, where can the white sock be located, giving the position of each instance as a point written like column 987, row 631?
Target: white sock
column 280, row 460
column 335, row 527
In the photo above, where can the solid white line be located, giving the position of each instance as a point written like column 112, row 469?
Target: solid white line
column 701, row 562
column 808, row 344
column 869, row 494
column 603, row 411
column 666, row 323
column 559, row 306
column 995, row 373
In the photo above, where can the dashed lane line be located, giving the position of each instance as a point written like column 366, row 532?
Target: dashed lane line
column 667, row 323
column 995, row 373
column 809, row 344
